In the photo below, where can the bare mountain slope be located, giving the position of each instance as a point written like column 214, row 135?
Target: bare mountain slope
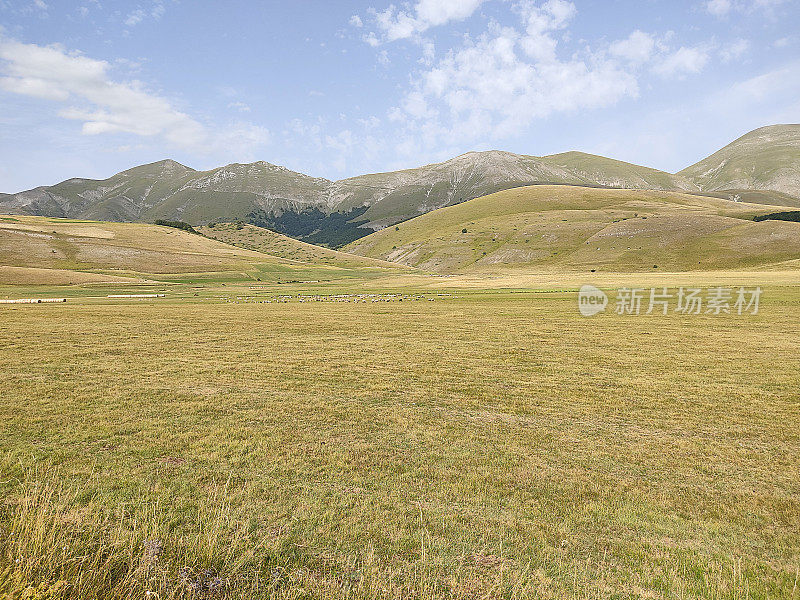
column 167, row 189
column 398, row 195
column 764, row 159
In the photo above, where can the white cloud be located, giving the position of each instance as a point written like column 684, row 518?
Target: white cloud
column 85, row 89
column 637, row 48
column 778, row 82
column 356, row 21
column 734, row 50
column 240, row 106
column 539, row 21
column 102, row 104
column 439, row 12
column 683, row 61
column 156, row 11
column 499, row 83
column 395, row 24
column 239, row 141
column 135, row 17
column 721, row 8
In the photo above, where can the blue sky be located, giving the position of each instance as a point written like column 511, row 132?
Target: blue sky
column 335, row 89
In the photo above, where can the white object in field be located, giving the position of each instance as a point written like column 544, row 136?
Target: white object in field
column 137, row 295
column 33, row 301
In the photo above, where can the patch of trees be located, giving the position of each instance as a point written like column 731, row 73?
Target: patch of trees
column 789, row 215
column 333, row 230
column 176, row 225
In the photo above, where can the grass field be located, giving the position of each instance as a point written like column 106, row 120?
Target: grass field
column 477, row 444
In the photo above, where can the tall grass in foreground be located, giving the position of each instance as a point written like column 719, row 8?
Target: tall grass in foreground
column 57, row 542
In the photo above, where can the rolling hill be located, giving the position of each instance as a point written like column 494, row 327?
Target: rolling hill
column 39, row 242
column 37, row 250
column 765, row 159
column 768, row 197
column 256, row 238
column 762, row 166
column 577, row 228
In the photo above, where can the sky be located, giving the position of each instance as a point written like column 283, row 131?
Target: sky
column 340, row 88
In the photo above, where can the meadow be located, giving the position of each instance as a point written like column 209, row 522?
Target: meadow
column 483, row 443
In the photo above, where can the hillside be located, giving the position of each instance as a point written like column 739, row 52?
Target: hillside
column 41, row 250
column 768, row 197
column 398, row 195
column 136, row 247
column 577, row 228
column 263, row 240
column 765, row 159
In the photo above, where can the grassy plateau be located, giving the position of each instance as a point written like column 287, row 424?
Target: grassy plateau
column 274, row 428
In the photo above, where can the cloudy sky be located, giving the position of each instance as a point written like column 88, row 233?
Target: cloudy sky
column 333, row 89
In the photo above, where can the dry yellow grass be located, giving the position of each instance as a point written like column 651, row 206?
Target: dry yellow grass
column 41, row 242
column 487, row 445
column 485, row 442
column 32, row 276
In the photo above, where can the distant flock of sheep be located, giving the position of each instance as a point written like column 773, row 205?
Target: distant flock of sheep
column 336, row 298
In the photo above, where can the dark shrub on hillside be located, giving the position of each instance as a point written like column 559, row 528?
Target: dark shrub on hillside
column 176, row 225
column 791, row 215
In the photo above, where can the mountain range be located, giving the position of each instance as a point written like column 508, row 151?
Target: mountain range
column 762, row 166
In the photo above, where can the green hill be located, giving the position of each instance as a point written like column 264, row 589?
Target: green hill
column 764, row 159
column 263, row 240
column 578, row 228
